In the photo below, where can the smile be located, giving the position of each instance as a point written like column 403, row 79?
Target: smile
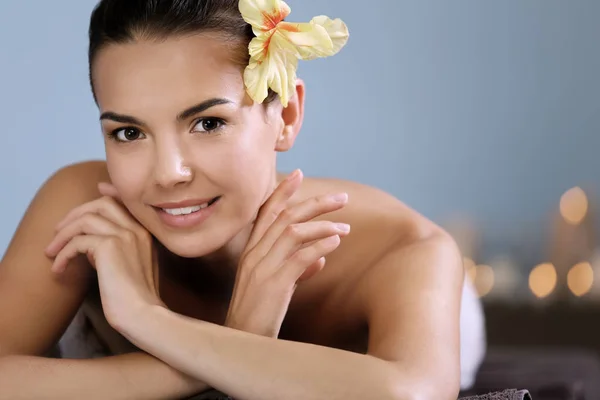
column 186, row 215
column 190, row 209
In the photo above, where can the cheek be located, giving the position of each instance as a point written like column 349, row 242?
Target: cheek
column 253, row 157
column 246, row 167
column 127, row 174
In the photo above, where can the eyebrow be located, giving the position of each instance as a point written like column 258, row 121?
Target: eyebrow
column 198, row 108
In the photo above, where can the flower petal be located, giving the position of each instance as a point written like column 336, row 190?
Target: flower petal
column 337, row 30
column 255, row 79
column 305, row 39
column 282, row 78
column 263, row 15
column 336, row 33
column 276, row 71
column 259, row 46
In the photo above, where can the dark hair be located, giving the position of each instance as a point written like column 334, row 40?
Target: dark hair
column 124, row 21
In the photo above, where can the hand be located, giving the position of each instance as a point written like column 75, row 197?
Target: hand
column 118, row 247
column 285, row 247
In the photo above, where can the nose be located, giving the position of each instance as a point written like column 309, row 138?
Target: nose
column 170, row 167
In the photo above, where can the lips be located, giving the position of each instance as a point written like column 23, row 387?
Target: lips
column 182, row 209
column 186, row 214
column 186, row 203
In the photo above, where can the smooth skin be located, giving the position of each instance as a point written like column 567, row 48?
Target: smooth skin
column 294, row 287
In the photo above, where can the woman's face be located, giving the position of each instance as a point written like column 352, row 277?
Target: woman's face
column 191, row 155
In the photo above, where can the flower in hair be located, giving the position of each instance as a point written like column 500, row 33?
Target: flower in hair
column 278, row 45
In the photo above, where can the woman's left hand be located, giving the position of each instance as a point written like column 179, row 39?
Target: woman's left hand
column 118, row 247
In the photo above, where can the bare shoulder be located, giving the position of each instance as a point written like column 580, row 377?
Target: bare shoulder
column 377, row 218
column 35, row 305
column 388, row 240
column 92, row 172
column 64, row 190
column 69, row 187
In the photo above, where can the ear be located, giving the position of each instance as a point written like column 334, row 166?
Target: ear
column 292, row 117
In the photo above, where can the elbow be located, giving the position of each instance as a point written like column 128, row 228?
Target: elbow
column 427, row 388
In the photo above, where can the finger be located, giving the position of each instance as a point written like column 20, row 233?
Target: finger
column 84, row 244
column 295, row 237
column 107, row 207
column 298, row 264
column 301, row 212
column 274, row 205
column 107, row 189
column 87, row 224
column 313, row 269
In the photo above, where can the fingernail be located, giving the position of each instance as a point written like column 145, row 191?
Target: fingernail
column 340, row 197
column 293, row 175
column 343, row 227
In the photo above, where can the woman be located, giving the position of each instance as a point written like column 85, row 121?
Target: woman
column 198, row 265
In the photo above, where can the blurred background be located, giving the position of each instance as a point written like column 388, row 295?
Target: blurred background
column 482, row 115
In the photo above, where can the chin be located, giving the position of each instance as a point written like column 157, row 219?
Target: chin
column 191, row 245
column 199, row 243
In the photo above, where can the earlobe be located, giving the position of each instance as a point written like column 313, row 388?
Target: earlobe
column 292, row 117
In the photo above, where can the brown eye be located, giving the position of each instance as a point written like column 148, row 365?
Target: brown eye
column 131, row 134
column 208, row 125
column 127, row 134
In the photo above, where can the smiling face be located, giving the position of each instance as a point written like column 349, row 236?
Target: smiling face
column 181, row 133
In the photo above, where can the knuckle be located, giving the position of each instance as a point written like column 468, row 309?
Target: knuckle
column 286, row 215
column 74, row 242
column 293, row 232
column 87, row 220
column 271, row 214
column 319, row 201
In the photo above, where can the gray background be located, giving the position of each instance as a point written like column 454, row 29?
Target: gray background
column 482, row 108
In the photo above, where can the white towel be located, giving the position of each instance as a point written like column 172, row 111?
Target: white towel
column 472, row 335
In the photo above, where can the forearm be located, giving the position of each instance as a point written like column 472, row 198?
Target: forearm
column 129, row 376
column 249, row 367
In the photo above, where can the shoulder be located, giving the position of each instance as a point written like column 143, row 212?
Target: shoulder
column 86, row 173
column 425, row 271
column 389, row 241
column 65, row 189
column 378, row 218
column 75, row 184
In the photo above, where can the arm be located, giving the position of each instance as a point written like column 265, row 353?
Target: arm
column 36, row 307
column 412, row 302
column 129, row 376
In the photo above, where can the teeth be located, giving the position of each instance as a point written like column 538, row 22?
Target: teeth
column 185, row 210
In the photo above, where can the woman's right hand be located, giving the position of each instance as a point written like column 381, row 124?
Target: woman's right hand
column 286, row 246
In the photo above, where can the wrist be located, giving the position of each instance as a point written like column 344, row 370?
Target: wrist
column 140, row 321
column 255, row 327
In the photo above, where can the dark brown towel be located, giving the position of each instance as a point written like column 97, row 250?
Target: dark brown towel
column 508, row 394
column 548, row 374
